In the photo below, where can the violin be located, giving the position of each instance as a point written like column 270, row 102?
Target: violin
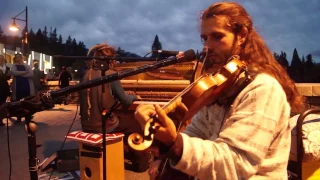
column 202, row 92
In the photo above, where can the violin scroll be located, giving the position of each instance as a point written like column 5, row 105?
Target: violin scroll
column 141, row 143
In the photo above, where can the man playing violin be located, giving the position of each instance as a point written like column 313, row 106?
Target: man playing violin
column 248, row 138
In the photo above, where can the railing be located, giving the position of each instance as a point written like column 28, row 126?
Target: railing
column 311, row 91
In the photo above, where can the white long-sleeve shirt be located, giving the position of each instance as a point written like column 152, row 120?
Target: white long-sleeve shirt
column 254, row 139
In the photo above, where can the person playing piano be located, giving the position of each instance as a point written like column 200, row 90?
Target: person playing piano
column 92, row 101
column 248, row 138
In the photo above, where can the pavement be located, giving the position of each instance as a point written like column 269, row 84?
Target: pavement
column 53, row 125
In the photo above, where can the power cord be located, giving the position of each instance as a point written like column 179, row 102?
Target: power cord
column 65, row 138
column 152, row 52
column 147, row 54
column 9, row 154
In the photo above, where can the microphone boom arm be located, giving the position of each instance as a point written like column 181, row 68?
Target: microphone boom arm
column 114, row 77
column 50, row 95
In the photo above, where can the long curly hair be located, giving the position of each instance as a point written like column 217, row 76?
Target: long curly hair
column 254, row 50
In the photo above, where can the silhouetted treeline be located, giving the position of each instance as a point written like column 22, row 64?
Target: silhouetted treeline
column 301, row 70
column 49, row 42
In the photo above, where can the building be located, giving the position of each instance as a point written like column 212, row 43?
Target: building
column 45, row 61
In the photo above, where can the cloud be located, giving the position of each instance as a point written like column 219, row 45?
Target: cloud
column 132, row 25
column 315, row 53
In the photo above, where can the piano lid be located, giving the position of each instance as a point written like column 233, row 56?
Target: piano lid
column 179, row 71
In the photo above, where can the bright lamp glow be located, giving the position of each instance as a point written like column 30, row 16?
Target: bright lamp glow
column 14, row 26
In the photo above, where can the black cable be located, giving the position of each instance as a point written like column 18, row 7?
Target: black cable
column 117, row 55
column 147, row 54
column 9, row 154
column 65, row 138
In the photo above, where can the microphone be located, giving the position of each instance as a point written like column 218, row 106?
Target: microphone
column 186, row 56
column 166, row 52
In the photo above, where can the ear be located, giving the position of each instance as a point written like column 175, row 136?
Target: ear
column 242, row 36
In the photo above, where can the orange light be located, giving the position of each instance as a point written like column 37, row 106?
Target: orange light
column 14, row 26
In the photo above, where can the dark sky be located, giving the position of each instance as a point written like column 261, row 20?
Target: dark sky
column 132, row 24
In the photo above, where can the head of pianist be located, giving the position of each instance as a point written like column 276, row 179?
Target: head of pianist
column 101, row 54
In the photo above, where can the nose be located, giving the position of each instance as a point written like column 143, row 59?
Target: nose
column 207, row 50
column 205, row 45
column 209, row 44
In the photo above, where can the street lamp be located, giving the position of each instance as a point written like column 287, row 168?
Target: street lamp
column 14, row 27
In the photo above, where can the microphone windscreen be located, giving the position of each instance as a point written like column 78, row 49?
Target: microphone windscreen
column 188, row 55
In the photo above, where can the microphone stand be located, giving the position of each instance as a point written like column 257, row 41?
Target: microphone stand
column 31, row 129
column 106, row 58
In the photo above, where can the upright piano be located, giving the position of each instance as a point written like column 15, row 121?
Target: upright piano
column 159, row 85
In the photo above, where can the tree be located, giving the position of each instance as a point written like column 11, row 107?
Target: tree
column 45, row 33
column 68, row 46
column 32, row 39
column 53, row 36
column 309, row 62
column 74, row 46
column 38, row 41
column 82, row 50
column 60, row 47
column 310, row 74
column 156, row 45
column 296, row 68
column 197, row 54
column 69, row 41
column 276, row 56
column 303, row 61
column 296, row 62
column 60, row 40
column 282, row 59
column 1, row 32
column 2, row 36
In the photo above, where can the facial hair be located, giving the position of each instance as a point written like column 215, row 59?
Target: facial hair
column 211, row 65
